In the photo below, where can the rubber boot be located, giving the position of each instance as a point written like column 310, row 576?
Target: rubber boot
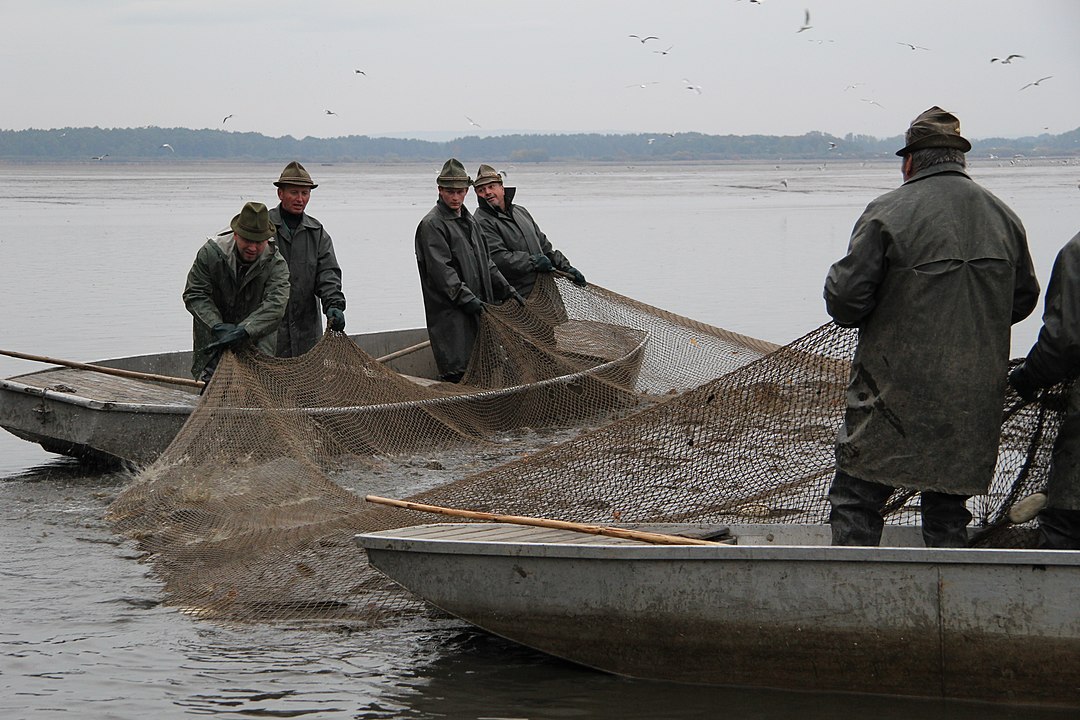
column 945, row 519
column 1059, row 529
column 855, row 516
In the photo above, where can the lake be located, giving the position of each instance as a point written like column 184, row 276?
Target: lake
column 95, row 258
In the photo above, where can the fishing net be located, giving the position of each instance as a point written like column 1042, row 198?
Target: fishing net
column 584, row 405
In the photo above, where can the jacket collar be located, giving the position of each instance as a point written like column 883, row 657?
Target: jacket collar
column 955, row 168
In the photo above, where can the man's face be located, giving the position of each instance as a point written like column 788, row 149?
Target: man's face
column 294, row 198
column 249, row 251
column 453, row 197
column 494, row 193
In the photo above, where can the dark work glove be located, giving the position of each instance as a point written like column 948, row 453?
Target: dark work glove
column 517, row 298
column 541, row 263
column 227, row 335
column 336, row 319
column 1021, row 381
column 473, row 307
column 578, row 278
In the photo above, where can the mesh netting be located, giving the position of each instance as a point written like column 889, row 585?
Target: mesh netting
column 250, row 512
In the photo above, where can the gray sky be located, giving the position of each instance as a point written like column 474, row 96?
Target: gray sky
column 548, row 66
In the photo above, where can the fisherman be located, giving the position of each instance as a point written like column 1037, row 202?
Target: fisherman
column 237, row 290
column 314, row 273
column 518, row 246
column 935, row 274
column 457, row 276
column 1055, row 357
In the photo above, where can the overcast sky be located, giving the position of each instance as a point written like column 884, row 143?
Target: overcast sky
column 547, row 66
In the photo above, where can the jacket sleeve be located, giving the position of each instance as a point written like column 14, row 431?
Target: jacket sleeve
column 199, row 290
column 499, row 284
column 557, row 258
column 437, row 264
column 1055, row 356
column 852, row 283
column 328, row 275
column 265, row 318
column 514, row 262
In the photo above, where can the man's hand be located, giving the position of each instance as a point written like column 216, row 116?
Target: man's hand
column 473, row 307
column 335, row 318
column 541, row 263
column 578, row 278
column 1021, row 381
column 516, row 296
column 227, row 335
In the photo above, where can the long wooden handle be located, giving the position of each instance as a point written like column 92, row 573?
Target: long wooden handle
column 657, row 538
column 403, row 351
column 106, row 370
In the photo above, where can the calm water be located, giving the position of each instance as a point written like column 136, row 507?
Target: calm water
column 94, row 261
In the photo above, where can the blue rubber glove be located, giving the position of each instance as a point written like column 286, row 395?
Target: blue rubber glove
column 336, row 319
column 541, row 263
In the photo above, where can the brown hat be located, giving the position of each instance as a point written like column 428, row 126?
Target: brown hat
column 295, row 174
column 487, row 175
column 253, row 223
column 934, row 128
column 453, row 175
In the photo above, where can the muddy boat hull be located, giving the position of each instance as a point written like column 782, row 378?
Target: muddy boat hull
column 781, row 609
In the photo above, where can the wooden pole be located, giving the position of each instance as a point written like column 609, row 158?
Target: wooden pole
column 657, row 538
column 106, row 370
column 403, row 351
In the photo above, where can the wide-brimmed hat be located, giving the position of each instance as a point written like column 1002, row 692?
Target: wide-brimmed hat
column 295, row 174
column 487, row 175
column 253, row 223
column 934, row 128
column 453, row 175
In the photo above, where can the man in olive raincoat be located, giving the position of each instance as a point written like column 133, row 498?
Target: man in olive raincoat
column 936, row 273
column 457, row 276
column 1055, row 357
column 315, row 275
column 237, row 290
column 518, row 246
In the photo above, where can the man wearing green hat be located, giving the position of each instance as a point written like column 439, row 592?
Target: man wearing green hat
column 313, row 267
column 518, row 246
column 936, row 273
column 237, row 290
column 457, row 276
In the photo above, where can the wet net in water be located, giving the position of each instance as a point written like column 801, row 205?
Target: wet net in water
column 250, row 512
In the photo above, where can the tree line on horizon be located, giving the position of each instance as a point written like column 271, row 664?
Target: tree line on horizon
column 148, row 144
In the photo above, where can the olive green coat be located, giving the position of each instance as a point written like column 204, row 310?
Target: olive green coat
column 315, row 281
column 936, row 273
column 213, row 295
column 1055, row 357
column 513, row 237
column 455, row 267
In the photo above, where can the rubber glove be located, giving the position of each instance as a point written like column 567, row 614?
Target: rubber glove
column 229, row 337
column 336, row 319
column 1022, row 382
column 541, row 263
column 473, row 307
column 578, row 278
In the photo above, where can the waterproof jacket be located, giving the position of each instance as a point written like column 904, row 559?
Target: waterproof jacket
column 513, row 237
column 315, row 279
column 936, row 273
column 455, row 267
column 213, row 295
column 1055, row 357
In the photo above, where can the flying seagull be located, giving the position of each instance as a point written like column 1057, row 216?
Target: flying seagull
column 664, row 52
column 645, row 39
column 1006, row 60
column 331, row 112
column 100, row 157
column 226, row 118
column 806, row 23
column 472, row 122
column 1036, row 83
column 691, row 86
column 913, row 47
column 167, row 145
column 644, row 84
column 361, row 72
column 853, row 86
column 873, row 102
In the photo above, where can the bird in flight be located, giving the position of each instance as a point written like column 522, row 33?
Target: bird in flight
column 913, row 47
column 1006, row 60
column 361, row 72
column 331, row 112
column 472, row 122
column 167, row 145
column 100, row 157
column 691, row 86
column 853, row 86
column 806, row 23
column 644, row 84
column 664, row 52
column 645, row 39
column 226, row 119
column 873, row 102
column 832, row 145
column 1036, row 83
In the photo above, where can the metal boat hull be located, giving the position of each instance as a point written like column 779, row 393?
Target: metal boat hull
column 781, row 609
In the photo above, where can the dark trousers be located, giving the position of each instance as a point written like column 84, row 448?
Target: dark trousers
column 1059, row 529
column 856, row 518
